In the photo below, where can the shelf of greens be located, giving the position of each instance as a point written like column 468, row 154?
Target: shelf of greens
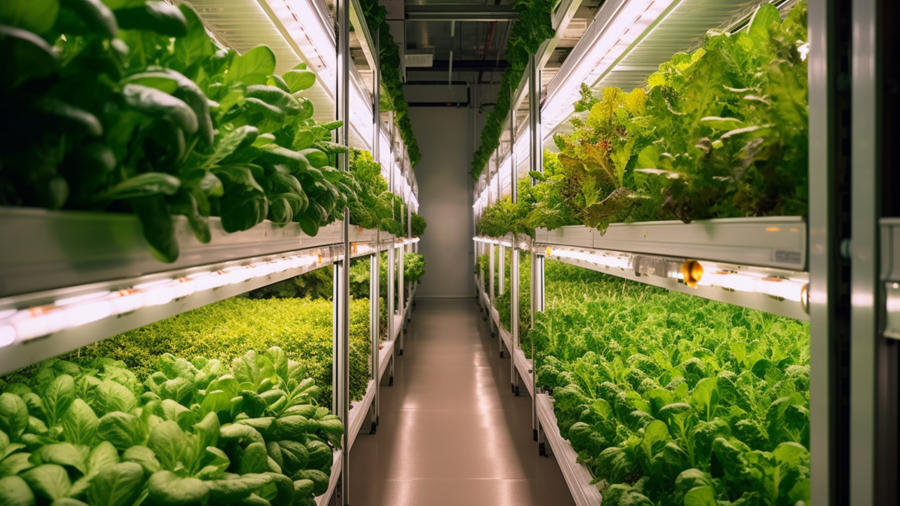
column 675, row 353
column 725, row 167
column 720, row 132
column 203, row 200
column 662, row 393
column 198, row 431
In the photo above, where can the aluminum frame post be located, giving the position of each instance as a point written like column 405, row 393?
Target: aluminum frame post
column 342, row 103
column 514, row 258
column 400, row 295
column 536, row 162
column 824, row 263
column 501, row 269
column 376, row 102
column 374, row 324
column 390, row 289
column 865, row 404
column 490, row 309
column 409, row 193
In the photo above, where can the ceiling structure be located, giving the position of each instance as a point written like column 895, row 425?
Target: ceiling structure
column 467, row 40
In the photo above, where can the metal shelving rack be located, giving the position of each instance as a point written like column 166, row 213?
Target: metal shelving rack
column 782, row 265
column 76, row 278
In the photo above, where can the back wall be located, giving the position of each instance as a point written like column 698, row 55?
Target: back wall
column 445, row 199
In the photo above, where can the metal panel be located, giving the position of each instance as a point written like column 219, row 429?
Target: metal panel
column 575, row 235
column 890, row 275
column 770, row 290
column 778, row 242
column 576, row 475
column 865, row 205
column 61, row 249
column 823, row 296
column 86, row 328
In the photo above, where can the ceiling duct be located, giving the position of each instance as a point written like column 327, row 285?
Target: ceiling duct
column 419, row 58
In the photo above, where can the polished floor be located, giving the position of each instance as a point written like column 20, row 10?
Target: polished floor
column 451, row 432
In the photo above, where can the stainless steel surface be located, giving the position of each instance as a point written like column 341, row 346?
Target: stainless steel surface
column 59, row 249
column 778, row 242
column 375, row 325
column 576, row 475
column 822, row 292
column 865, row 205
column 342, row 269
column 451, row 432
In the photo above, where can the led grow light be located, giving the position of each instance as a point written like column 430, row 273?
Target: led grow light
column 781, row 285
column 23, row 325
column 628, row 23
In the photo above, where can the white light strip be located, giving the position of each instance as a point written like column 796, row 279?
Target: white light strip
column 23, row 325
column 313, row 36
column 745, row 281
column 714, row 274
column 626, row 26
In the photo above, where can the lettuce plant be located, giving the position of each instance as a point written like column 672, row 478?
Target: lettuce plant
column 721, row 132
column 671, row 399
column 192, row 433
column 128, row 106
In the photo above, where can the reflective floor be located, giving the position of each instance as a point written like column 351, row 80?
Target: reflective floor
column 451, row 432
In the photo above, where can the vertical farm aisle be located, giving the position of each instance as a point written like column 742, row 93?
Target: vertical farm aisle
column 451, row 432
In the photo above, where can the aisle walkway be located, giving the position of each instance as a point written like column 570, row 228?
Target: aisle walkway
column 451, row 432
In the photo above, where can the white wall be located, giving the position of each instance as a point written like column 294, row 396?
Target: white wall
column 445, row 199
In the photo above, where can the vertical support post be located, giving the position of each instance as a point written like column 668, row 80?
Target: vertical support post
column 501, row 272
column 514, row 258
column 536, row 160
column 342, row 102
column 400, row 297
column 391, row 306
column 336, row 325
column 409, row 194
column 824, row 264
column 865, row 213
column 374, row 324
column 376, row 102
column 490, row 308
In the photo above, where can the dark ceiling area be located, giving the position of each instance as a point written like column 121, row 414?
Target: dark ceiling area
column 462, row 45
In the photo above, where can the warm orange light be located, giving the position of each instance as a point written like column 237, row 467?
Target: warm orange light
column 773, row 229
column 691, row 271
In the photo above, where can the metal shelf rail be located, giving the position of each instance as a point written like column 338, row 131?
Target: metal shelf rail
column 757, row 263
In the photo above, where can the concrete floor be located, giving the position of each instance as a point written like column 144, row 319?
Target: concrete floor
column 451, row 432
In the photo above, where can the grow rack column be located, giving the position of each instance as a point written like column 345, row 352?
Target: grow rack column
column 536, row 161
column 342, row 269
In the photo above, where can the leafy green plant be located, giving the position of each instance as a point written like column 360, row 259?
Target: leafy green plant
column 541, row 205
column 533, row 27
column 315, row 284
column 392, row 98
column 413, row 267
column 226, row 329
column 192, row 432
column 127, row 106
column 661, row 393
column 720, row 132
column 418, row 225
